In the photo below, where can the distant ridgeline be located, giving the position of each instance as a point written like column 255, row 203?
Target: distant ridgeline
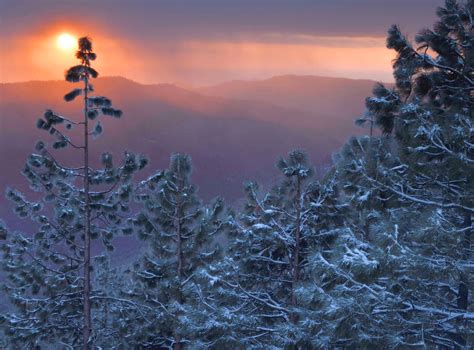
column 238, row 137
column 374, row 252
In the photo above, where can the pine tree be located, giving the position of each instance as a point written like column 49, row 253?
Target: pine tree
column 349, row 278
column 181, row 237
column 426, row 121
column 49, row 273
column 259, row 284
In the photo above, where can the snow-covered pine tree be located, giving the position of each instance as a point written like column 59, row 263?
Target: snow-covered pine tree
column 181, row 241
column 112, row 314
column 366, row 201
column 259, row 284
column 429, row 117
column 49, row 272
column 347, row 278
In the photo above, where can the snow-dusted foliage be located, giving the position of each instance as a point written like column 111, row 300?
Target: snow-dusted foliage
column 376, row 255
column 261, row 280
column 111, row 313
column 421, row 172
column 181, row 242
column 48, row 271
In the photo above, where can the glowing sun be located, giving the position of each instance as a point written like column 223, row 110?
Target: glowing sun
column 66, row 41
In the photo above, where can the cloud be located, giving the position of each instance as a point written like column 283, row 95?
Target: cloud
column 180, row 19
column 208, row 41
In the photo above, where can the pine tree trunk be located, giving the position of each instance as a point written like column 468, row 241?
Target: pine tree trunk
column 87, row 243
column 179, row 248
column 463, row 291
column 296, row 253
column 178, row 345
column 179, row 252
column 106, row 301
column 463, row 288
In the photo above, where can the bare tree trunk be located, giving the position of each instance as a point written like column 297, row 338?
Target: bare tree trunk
column 296, row 253
column 87, row 239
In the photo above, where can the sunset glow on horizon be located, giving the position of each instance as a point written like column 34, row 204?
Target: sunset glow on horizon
column 202, row 62
column 173, row 43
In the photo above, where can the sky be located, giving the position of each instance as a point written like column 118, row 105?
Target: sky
column 203, row 42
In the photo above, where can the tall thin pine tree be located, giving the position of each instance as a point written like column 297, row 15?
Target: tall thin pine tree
column 49, row 274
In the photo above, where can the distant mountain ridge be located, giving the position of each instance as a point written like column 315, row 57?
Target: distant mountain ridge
column 234, row 132
column 305, row 92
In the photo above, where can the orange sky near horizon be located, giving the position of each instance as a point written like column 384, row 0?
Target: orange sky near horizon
column 195, row 43
column 192, row 62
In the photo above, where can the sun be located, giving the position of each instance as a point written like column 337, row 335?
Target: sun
column 66, row 42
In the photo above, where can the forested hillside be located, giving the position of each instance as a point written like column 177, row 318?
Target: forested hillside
column 231, row 141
